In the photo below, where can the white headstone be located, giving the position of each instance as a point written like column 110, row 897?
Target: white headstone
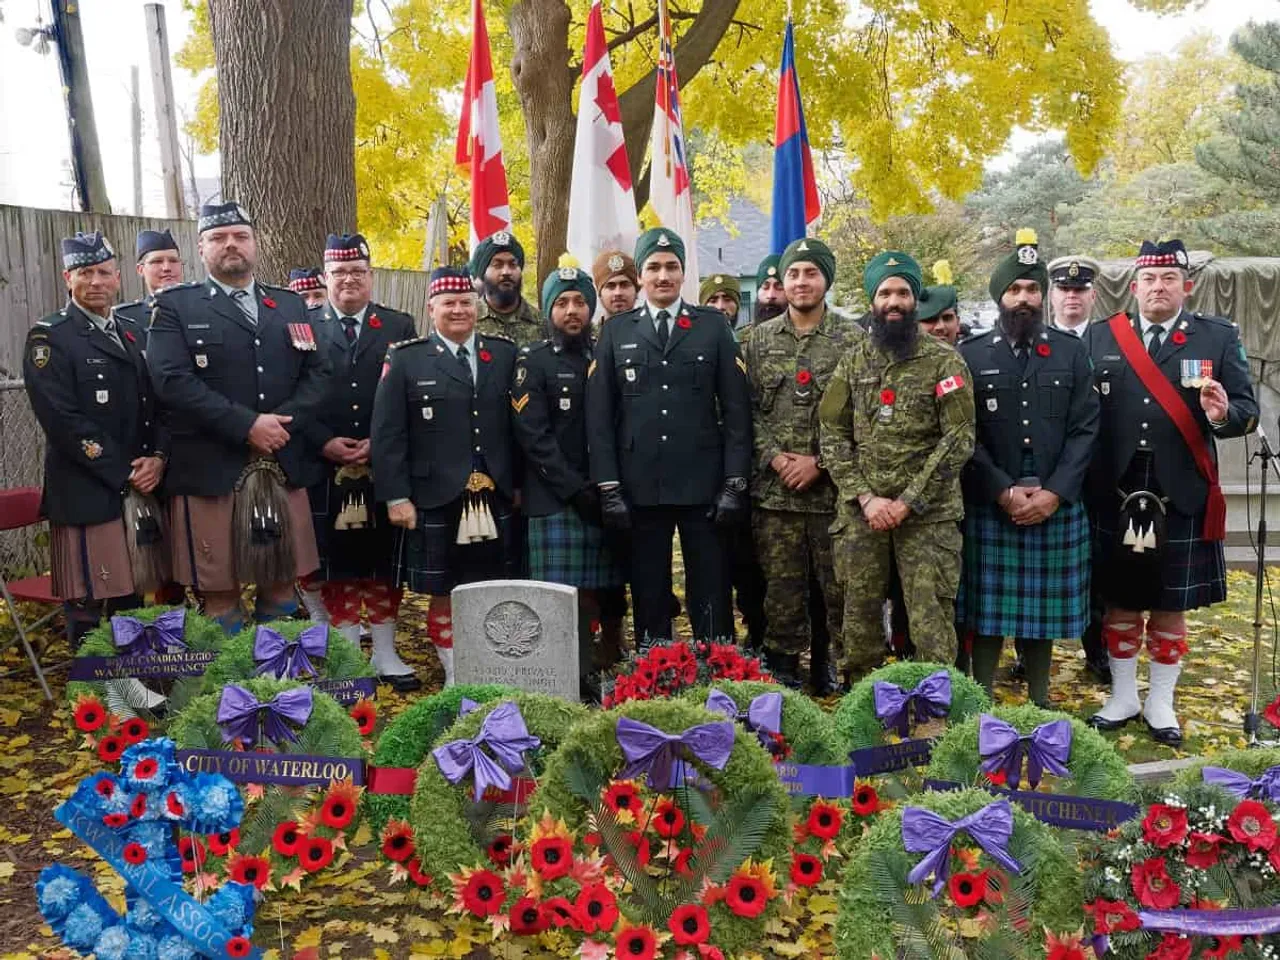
column 523, row 633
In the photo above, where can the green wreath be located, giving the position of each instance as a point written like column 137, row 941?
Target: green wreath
column 592, row 746
column 1253, row 763
column 855, row 720
column 443, row 817
column 805, row 725
column 409, row 737
column 200, row 634
column 1097, row 770
column 880, row 914
column 342, row 660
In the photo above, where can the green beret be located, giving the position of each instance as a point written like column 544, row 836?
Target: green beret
column 891, row 263
column 568, row 278
column 1023, row 264
column 490, row 247
column 658, row 240
column 719, row 283
column 809, row 250
column 768, row 270
column 933, row 300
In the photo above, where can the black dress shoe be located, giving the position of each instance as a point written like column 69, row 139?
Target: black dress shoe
column 1169, row 736
column 401, row 682
column 1099, row 722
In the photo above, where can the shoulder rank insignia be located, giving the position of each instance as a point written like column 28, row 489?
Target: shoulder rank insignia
column 518, row 405
column 742, row 364
column 303, row 337
column 591, row 368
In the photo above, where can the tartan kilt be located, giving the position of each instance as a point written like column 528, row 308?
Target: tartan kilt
column 350, row 554
column 563, row 548
column 1029, row 582
column 429, row 560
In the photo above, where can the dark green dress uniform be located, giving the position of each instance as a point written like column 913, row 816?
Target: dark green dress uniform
column 671, row 424
column 433, row 426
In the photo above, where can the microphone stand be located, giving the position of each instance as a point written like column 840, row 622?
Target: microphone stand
column 1252, row 720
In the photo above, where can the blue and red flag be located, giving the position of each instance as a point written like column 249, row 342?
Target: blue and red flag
column 796, row 203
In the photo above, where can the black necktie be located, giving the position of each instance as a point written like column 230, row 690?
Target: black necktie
column 349, row 329
column 664, row 330
column 1023, row 353
column 464, row 359
column 1153, row 347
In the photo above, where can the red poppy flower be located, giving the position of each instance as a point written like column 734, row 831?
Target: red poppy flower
column 138, row 808
column 1153, row 886
column 865, row 800
column 806, row 870
column 483, row 894
column 804, row 377
column 106, row 787
column 134, row 730
column 824, row 820
column 634, row 942
column 134, row 853
column 254, row 870
column 526, row 917
column 145, row 768
column 499, row 850
column 110, row 748
column 1221, row 947
column 485, row 356
column 315, row 854
column 997, row 777
column 1112, row 916
column 967, row 889
column 338, row 807
column 191, row 850
column 708, row 952
column 746, row 895
column 239, row 946
column 365, row 714
column 128, row 335
column 887, row 397
column 1274, row 857
column 551, row 857
column 90, row 714
column 1178, row 337
column 591, row 839
column 268, row 302
column 668, row 819
column 683, row 323
column 597, row 908
column 115, row 820
column 689, row 924
column 173, row 805
column 221, row 843
column 286, row 838
column 1272, row 713
column 1165, row 826
column 1043, row 349
column 1204, row 849
column 374, row 322
column 416, row 874
column 640, row 845
column 682, row 862
column 558, row 912
column 1171, row 947
column 1251, row 824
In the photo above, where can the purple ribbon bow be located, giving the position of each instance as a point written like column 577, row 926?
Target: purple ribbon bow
column 289, row 659
column 661, row 756
column 924, row 831
column 931, row 697
column 467, row 705
column 1266, row 787
column 133, row 638
column 240, row 714
column 506, row 737
column 1048, row 747
column 763, row 715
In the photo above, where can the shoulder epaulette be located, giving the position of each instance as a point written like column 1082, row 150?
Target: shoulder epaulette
column 497, row 336
column 1212, row 318
column 189, row 285
column 129, row 303
column 407, row 343
column 52, row 320
column 531, row 347
column 272, row 286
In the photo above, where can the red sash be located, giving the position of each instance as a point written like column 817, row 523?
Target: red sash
column 1215, row 512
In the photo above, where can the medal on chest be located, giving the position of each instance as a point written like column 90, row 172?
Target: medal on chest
column 887, row 400
column 1195, row 373
column 302, row 336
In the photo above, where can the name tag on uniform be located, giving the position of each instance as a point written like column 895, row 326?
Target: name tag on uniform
column 428, row 413
column 198, row 326
column 1111, row 356
column 628, row 346
column 567, row 376
column 566, row 403
column 630, row 374
column 96, row 361
column 302, row 336
column 202, row 360
column 988, row 373
column 102, row 396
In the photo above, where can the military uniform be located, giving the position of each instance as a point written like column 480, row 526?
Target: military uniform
column 523, row 327
column 433, row 427
column 788, row 371
column 671, row 424
column 901, row 430
column 137, row 312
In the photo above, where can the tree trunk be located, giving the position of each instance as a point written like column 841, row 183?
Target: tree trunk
column 287, row 125
column 540, row 68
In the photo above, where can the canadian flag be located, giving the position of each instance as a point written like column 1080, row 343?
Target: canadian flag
column 602, row 205
column 479, row 142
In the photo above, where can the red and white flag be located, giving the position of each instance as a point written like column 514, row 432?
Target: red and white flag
column 670, row 186
column 602, row 205
column 479, row 142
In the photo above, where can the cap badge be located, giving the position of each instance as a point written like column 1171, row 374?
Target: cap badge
column 107, row 247
column 772, row 271
column 616, row 263
column 240, row 212
column 1028, row 255
column 1073, row 270
column 1179, row 255
column 718, row 279
column 364, row 251
column 502, row 238
column 568, row 273
column 664, row 240
column 804, row 247
column 892, row 262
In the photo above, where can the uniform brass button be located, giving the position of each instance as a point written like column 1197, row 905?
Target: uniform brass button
column 1024, row 384
column 1144, row 426
column 1026, row 439
column 1146, row 399
column 262, row 396
column 664, row 437
column 355, row 406
column 1026, row 423
column 256, row 342
column 354, row 386
column 1142, row 443
column 666, row 387
column 664, row 413
column 477, row 429
column 664, row 363
column 259, row 369
column 477, row 449
column 199, row 343
column 101, row 377
column 1025, row 403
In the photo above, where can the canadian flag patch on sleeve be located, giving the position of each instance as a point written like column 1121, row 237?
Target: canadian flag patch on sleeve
column 949, row 385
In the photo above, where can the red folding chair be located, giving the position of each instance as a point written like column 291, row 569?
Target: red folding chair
column 20, row 507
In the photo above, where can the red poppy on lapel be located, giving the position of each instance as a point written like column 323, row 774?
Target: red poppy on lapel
column 268, row 302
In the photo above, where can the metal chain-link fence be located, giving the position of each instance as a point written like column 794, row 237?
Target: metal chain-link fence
column 23, row 552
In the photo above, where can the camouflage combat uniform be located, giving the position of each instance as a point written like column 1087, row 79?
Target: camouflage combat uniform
column 524, row 326
column 788, row 371
column 901, row 430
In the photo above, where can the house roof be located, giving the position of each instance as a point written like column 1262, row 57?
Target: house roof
column 740, row 254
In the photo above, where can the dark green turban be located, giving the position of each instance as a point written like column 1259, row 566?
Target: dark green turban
column 891, row 263
column 719, row 283
column 658, row 240
column 768, row 270
column 1023, row 264
column 809, row 250
column 567, row 278
column 490, row 247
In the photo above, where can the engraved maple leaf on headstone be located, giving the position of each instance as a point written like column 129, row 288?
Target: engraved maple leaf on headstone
column 513, row 629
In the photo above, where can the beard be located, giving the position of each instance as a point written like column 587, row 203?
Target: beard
column 1021, row 324
column 767, row 311
column 571, row 343
column 502, row 296
column 897, row 337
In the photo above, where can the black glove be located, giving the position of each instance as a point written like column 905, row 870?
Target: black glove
column 587, row 503
column 614, row 510
column 731, row 506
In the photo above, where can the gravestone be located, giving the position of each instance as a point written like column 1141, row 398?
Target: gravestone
column 523, row 633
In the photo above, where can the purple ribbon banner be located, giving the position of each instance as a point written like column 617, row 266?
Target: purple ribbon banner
column 1213, row 923
column 890, row 757
column 348, row 692
column 810, row 780
column 189, row 663
column 1057, row 809
column 285, row 769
